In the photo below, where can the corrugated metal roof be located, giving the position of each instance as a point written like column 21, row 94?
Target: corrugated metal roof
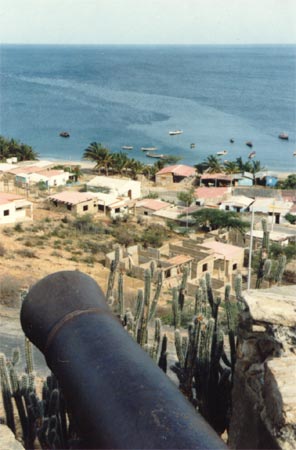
column 216, row 176
column 179, row 170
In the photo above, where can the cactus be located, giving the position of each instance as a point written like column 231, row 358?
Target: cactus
column 156, row 296
column 120, row 295
column 162, row 362
column 112, row 274
column 280, row 269
column 29, row 356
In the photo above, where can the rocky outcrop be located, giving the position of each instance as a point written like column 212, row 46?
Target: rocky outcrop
column 264, row 392
column 7, row 439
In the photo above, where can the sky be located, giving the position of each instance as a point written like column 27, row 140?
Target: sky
column 148, row 21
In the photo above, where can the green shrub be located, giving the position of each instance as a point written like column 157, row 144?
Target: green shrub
column 2, row 250
column 10, row 291
column 26, row 253
column 18, row 227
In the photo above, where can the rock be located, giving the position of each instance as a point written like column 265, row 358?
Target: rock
column 7, row 439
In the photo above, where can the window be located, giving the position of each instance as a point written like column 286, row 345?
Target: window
column 69, row 207
column 101, row 208
column 6, row 212
column 204, row 267
column 117, row 210
column 145, row 213
column 227, row 208
column 234, row 266
column 85, row 207
column 238, row 208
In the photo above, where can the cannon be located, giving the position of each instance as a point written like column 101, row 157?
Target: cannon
column 117, row 395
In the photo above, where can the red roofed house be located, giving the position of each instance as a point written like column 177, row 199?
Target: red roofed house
column 14, row 208
column 148, row 206
column 211, row 196
column 174, row 174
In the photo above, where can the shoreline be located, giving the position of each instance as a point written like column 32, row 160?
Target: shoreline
column 84, row 164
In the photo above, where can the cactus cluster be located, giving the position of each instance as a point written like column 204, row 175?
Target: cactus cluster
column 268, row 269
column 140, row 322
column 204, row 369
column 45, row 419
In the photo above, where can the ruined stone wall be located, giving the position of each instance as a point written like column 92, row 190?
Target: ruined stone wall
column 264, row 391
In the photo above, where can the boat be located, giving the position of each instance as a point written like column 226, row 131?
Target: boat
column 284, row 136
column 249, row 144
column 192, row 145
column 231, row 141
column 158, row 156
column 127, row 147
column 148, row 149
column 224, row 152
column 64, row 134
column 175, row 132
column 252, row 155
column 294, row 153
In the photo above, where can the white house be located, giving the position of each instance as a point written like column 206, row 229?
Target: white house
column 120, row 187
column 14, row 208
column 51, row 178
column 275, row 209
column 237, row 203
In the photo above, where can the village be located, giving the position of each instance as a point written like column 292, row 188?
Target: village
column 71, row 217
column 28, row 187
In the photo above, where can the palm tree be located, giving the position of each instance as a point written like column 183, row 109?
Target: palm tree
column 243, row 166
column 214, row 164
column 26, row 153
column 135, row 167
column 120, row 162
column 99, row 154
column 230, row 167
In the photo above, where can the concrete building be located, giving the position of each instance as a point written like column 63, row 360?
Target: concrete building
column 119, row 187
column 211, row 196
column 149, row 206
column 51, row 178
column 174, row 174
column 14, row 208
column 237, row 203
column 74, row 202
column 274, row 209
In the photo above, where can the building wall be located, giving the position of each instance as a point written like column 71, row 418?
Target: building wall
column 165, row 178
column 7, row 213
column 89, row 207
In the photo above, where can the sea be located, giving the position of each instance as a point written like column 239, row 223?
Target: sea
column 135, row 95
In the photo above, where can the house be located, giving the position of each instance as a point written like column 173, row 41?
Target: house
column 266, row 178
column 74, row 202
column 242, row 179
column 120, row 187
column 174, row 174
column 211, row 196
column 277, row 237
column 215, row 179
column 237, row 203
column 149, row 206
column 275, row 209
column 14, row 208
column 50, row 178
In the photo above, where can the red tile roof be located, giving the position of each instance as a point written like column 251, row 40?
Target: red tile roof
column 179, row 170
column 152, row 204
column 210, row 192
column 7, row 198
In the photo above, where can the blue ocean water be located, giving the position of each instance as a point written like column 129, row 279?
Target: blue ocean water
column 134, row 95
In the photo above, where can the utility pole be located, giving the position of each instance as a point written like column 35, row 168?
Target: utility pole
column 250, row 250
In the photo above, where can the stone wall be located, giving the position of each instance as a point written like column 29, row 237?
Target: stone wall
column 264, row 391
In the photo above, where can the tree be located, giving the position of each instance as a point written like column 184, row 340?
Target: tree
column 11, row 148
column 214, row 164
column 289, row 182
column 186, row 197
column 154, row 235
column 99, row 154
column 243, row 166
column 231, row 167
column 212, row 219
column 120, row 162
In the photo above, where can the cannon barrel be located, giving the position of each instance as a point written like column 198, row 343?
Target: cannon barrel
column 117, row 395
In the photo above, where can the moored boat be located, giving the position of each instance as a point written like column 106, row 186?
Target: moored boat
column 174, row 132
column 231, row 141
column 158, row 156
column 148, row 149
column 64, row 134
column 294, row 153
column 127, row 147
column 222, row 153
column 192, row 145
column 284, row 136
column 249, row 144
column 252, row 155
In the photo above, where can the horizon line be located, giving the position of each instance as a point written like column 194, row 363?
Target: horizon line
column 148, row 44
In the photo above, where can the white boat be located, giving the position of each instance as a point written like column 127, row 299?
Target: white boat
column 148, row 149
column 173, row 133
column 294, row 153
column 127, row 147
column 224, row 152
column 284, row 136
column 252, row 155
